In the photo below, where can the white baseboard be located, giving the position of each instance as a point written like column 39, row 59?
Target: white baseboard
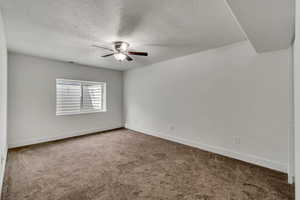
column 26, row 142
column 219, row 150
column 3, row 170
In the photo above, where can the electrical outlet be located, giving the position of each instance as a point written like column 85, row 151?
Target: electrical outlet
column 136, row 122
column 171, row 127
column 237, row 140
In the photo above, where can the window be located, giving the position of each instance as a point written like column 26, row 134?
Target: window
column 76, row 97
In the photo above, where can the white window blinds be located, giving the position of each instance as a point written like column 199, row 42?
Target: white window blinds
column 75, row 97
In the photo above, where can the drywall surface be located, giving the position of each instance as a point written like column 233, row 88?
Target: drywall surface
column 32, row 100
column 267, row 23
column 297, row 100
column 291, row 145
column 72, row 26
column 229, row 100
column 3, row 100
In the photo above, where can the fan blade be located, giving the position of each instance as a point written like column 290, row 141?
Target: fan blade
column 128, row 58
column 107, row 55
column 97, row 46
column 138, row 53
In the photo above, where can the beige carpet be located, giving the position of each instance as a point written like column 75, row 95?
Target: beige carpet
column 126, row 165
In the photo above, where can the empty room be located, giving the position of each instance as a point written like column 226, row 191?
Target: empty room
column 149, row 100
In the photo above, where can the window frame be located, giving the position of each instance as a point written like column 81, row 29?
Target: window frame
column 83, row 111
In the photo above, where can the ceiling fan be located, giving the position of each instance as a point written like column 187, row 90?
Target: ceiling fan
column 121, row 51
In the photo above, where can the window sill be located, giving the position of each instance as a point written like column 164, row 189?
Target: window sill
column 81, row 112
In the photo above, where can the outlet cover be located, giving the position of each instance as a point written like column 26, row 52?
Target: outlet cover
column 237, row 140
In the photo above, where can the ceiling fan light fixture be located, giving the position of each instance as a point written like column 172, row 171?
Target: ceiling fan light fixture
column 124, row 46
column 121, row 52
column 120, row 56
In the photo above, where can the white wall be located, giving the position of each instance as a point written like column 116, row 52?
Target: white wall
column 297, row 99
column 291, row 144
column 31, row 100
column 3, row 100
column 215, row 100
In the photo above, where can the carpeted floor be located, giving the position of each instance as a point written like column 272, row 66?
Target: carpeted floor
column 126, row 165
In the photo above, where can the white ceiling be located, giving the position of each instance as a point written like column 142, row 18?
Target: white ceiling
column 267, row 23
column 66, row 29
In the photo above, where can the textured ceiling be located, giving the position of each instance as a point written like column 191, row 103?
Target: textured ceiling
column 66, row 29
column 267, row 23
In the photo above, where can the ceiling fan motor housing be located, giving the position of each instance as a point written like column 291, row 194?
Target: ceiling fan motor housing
column 121, row 46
